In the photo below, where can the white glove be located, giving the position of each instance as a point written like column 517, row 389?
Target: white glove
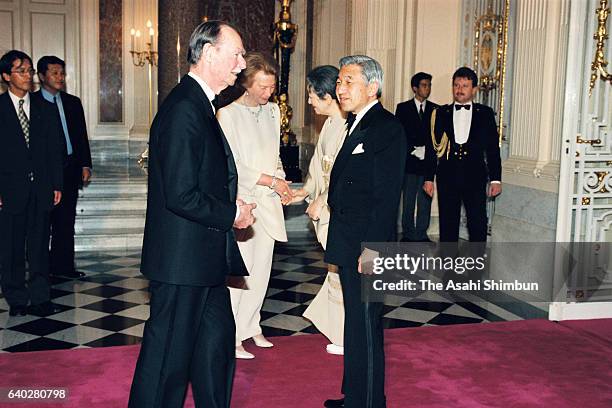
column 419, row 152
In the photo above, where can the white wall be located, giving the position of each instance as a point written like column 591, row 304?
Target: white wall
column 436, row 46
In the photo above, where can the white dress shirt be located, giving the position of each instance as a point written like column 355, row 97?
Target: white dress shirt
column 210, row 94
column 462, row 120
column 362, row 113
column 419, row 104
column 26, row 105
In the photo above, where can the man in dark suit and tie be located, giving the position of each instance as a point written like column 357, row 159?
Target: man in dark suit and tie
column 30, row 185
column 77, row 163
column 415, row 115
column 364, row 193
column 465, row 134
column 189, row 246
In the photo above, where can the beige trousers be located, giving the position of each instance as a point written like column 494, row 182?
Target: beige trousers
column 256, row 248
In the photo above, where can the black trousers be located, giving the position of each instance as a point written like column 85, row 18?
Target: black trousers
column 29, row 229
column 473, row 195
column 63, row 216
column 363, row 383
column 189, row 337
column 414, row 197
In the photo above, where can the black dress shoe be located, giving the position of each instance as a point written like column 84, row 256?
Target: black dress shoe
column 70, row 275
column 18, row 311
column 334, row 403
column 44, row 309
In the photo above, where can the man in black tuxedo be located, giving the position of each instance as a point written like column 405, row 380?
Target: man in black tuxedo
column 77, row 163
column 30, row 185
column 189, row 244
column 415, row 115
column 466, row 134
column 364, row 193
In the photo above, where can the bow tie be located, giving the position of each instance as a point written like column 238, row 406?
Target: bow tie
column 466, row 107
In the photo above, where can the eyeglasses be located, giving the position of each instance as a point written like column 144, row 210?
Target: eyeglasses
column 23, row 71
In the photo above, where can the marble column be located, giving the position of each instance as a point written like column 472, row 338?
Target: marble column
column 111, row 64
column 176, row 20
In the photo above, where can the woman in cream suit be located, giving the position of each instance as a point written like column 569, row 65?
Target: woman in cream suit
column 326, row 310
column 252, row 127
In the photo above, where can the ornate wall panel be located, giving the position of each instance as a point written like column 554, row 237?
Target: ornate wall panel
column 6, row 35
column 48, row 36
column 43, row 27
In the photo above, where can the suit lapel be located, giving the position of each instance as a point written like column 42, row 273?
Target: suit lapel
column 472, row 133
column 11, row 117
column 232, row 171
column 350, row 143
column 214, row 124
column 413, row 111
column 451, row 119
column 35, row 121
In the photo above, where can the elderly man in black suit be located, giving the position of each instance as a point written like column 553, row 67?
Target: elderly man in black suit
column 189, row 245
column 30, row 185
column 465, row 134
column 77, row 163
column 364, row 193
column 415, row 115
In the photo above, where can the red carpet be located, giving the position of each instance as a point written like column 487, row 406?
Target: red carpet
column 533, row 363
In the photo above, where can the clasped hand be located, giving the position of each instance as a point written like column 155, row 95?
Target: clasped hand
column 282, row 189
column 245, row 216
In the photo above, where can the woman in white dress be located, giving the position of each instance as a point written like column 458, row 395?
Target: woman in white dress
column 326, row 310
column 251, row 125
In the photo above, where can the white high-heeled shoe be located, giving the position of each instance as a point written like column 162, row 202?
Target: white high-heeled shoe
column 261, row 341
column 243, row 354
column 332, row 348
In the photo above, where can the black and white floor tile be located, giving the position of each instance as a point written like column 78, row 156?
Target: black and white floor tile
column 108, row 307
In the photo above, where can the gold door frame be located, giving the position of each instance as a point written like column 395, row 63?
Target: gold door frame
column 490, row 51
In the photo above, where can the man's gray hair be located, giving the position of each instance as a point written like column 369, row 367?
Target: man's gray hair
column 205, row 33
column 370, row 69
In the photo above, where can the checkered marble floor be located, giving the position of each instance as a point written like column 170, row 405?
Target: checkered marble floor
column 109, row 306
